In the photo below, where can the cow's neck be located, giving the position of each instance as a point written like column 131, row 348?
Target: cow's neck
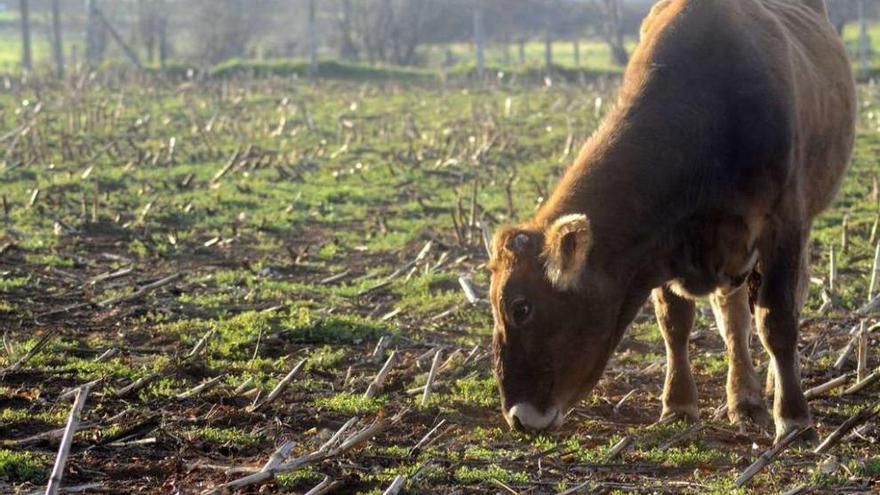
column 627, row 182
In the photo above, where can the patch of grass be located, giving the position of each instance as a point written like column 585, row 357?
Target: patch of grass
column 871, row 468
column 305, row 327
column 7, row 284
column 485, row 475
column 21, row 466
column 225, row 436
column 55, row 260
column 348, row 403
column 325, row 358
column 691, row 455
column 710, row 363
column 428, row 294
column 298, row 478
column 9, row 416
column 472, row 390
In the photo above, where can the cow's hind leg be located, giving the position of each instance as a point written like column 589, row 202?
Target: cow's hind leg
column 744, row 399
column 675, row 316
column 784, row 270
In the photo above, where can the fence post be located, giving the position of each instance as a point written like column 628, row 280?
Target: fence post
column 57, row 41
column 92, row 49
column 27, row 62
column 478, row 39
column 313, row 40
column 163, row 41
column 864, row 40
column 548, row 52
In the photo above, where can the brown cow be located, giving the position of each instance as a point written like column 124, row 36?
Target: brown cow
column 733, row 127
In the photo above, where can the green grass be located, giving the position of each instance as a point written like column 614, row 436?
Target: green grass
column 349, row 403
column 486, row 475
column 348, row 178
column 225, row 437
column 17, row 467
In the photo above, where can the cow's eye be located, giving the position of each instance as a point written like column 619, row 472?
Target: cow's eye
column 521, row 310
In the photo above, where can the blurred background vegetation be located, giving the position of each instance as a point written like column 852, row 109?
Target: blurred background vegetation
column 332, row 36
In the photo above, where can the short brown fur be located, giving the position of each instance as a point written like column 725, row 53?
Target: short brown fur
column 733, row 128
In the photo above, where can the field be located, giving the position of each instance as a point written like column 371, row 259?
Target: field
column 156, row 236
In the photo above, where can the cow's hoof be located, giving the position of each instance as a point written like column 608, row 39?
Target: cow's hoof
column 690, row 414
column 749, row 412
column 808, row 438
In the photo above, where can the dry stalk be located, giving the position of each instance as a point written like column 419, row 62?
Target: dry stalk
column 425, row 439
column 831, row 384
column 201, row 343
column 431, row 375
column 619, row 447
column 379, row 350
column 108, row 355
column 862, row 354
column 844, row 355
column 325, row 486
column 206, row 385
column 868, row 381
column 468, row 289
column 66, row 441
column 143, row 291
column 379, row 381
column 768, row 456
column 395, row 486
column 30, row 354
column 855, row 420
column 832, row 269
column 139, row 384
column 245, row 386
column 70, row 393
column 873, row 286
column 280, row 387
column 623, row 400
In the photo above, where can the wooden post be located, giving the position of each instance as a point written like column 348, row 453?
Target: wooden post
column 313, row 40
column 548, row 52
column 577, row 53
column 864, row 39
column 479, row 41
column 832, row 270
column 163, row 41
column 57, row 41
column 27, row 62
column 92, row 49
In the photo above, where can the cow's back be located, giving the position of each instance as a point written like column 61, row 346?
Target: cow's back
column 775, row 93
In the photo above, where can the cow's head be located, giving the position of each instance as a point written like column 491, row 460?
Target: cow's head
column 556, row 320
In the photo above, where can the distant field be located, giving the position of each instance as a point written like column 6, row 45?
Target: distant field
column 156, row 237
column 595, row 54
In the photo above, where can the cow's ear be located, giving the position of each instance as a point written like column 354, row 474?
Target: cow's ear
column 565, row 250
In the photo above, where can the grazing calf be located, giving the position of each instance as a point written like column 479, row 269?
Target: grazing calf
column 733, row 127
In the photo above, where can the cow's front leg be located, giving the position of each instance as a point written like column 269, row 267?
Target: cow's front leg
column 778, row 307
column 675, row 315
column 744, row 399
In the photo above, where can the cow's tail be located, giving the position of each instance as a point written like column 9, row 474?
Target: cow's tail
column 818, row 6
